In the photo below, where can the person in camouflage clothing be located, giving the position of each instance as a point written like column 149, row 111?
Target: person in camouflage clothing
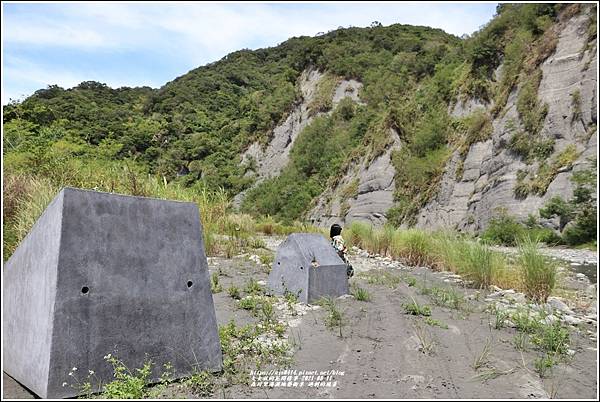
column 337, row 241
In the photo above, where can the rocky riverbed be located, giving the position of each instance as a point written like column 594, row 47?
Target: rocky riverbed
column 466, row 343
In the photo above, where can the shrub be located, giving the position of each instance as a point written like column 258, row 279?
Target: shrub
column 584, row 229
column 552, row 338
column 322, row 100
column 503, row 230
column 478, row 128
column 577, row 216
column 530, row 148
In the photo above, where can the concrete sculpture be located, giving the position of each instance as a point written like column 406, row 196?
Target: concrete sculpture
column 102, row 273
column 307, row 265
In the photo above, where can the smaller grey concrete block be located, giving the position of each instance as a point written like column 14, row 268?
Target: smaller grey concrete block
column 293, row 269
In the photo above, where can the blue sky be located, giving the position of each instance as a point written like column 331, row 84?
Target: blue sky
column 131, row 44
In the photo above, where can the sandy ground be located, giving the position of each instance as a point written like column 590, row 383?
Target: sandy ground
column 379, row 351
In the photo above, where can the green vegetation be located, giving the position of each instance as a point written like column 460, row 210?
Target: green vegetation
column 543, row 365
column 539, row 272
column 317, row 153
column 410, row 281
column 359, row 293
column 505, row 230
column 531, row 148
column 253, row 287
column 324, row 94
column 425, row 341
column 215, row 285
column 532, row 113
column 546, row 172
column 475, row 261
column 189, row 134
column 500, row 316
column 551, row 339
column 521, row 341
column 576, row 105
column 476, row 127
column 127, row 385
column 415, row 308
column 435, row 323
column 482, row 359
column 201, row 384
column 547, row 337
column 348, row 192
column 445, row 297
column 234, row 292
column 381, row 277
column 335, row 318
column 577, row 217
column 243, row 350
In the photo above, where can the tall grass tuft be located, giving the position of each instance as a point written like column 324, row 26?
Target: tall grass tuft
column 478, row 263
column 27, row 209
column 359, row 234
column 415, row 247
column 538, row 272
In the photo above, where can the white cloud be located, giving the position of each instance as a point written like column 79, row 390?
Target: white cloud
column 185, row 34
column 215, row 26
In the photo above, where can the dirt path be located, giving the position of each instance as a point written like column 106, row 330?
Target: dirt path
column 385, row 353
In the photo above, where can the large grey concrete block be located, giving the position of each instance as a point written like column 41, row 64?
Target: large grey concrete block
column 102, row 273
column 294, row 268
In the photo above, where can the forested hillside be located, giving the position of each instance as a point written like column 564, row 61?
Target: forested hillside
column 194, row 130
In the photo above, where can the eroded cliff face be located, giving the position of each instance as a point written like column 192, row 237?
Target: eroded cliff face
column 490, row 169
column 364, row 193
column 475, row 186
column 270, row 160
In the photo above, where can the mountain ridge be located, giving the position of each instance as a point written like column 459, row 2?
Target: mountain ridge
column 412, row 89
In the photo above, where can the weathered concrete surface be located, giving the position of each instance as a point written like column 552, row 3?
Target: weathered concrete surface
column 28, row 294
column 307, row 265
column 102, row 273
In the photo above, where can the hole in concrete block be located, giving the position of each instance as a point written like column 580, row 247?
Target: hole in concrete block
column 301, row 267
column 85, row 290
column 190, row 283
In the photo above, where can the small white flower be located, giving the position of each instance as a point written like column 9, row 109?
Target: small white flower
column 74, row 368
column 91, row 372
column 71, row 374
column 108, row 356
column 64, row 384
